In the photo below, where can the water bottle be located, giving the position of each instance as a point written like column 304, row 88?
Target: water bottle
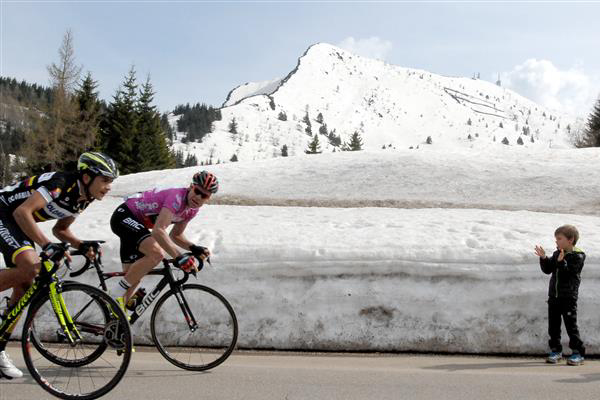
column 136, row 299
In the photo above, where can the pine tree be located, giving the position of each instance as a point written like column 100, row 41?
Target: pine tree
column 166, row 127
column 314, row 147
column 233, row 158
column 83, row 134
column 284, row 151
column 356, row 142
column 591, row 136
column 308, row 128
column 282, row 116
column 192, row 161
column 233, row 126
column 520, row 141
column 320, row 118
column 150, row 142
column 323, row 130
column 120, row 124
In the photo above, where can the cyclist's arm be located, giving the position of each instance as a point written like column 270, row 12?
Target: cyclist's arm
column 63, row 233
column 24, row 217
column 177, row 236
column 159, row 232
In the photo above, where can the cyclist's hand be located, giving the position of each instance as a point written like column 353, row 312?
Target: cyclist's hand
column 187, row 262
column 87, row 249
column 55, row 251
column 200, row 251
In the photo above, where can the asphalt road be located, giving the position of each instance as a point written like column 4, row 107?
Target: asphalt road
column 295, row 376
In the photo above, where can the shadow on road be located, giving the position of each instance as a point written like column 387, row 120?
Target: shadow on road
column 585, row 378
column 480, row 366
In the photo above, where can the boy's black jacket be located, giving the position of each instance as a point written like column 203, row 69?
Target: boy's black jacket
column 566, row 274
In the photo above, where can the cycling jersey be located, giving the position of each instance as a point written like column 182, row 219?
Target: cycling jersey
column 60, row 190
column 146, row 206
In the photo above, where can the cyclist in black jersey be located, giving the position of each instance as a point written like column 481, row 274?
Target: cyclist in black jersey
column 52, row 195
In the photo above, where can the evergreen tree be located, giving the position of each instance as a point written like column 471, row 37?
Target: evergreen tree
column 334, row 140
column 282, row 116
column 83, row 134
column 505, row 141
column 591, row 136
column 120, row 124
column 233, row 158
column 150, row 144
column 284, row 150
column 166, row 127
column 308, row 128
column 314, row 147
column 520, row 141
column 233, row 126
column 320, row 118
column 179, row 160
column 323, row 130
column 356, row 142
column 191, row 161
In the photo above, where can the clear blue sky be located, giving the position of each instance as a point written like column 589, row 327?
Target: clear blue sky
column 199, row 51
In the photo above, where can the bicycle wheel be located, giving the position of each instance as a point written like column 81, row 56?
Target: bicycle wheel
column 93, row 365
column 60, row 351
column 204, row 346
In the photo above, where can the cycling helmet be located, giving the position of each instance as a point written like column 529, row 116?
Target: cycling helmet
column 95, row 164
column 206, row 181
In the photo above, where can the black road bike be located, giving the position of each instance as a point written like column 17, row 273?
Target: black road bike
column 61, row 352
column 193, row 326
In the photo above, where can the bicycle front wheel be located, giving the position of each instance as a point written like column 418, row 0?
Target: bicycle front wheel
column 95, row 361
column 194, row 328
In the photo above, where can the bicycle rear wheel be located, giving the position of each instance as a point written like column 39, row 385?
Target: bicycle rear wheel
column 197, row 348
column 94, row 364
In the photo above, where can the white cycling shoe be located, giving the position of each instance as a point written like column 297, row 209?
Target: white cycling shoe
column 7, row 368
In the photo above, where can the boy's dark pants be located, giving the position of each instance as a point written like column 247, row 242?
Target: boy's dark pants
column 565, row 308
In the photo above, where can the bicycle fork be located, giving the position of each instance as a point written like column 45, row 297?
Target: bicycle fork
column 187, row 313
column 69, row 330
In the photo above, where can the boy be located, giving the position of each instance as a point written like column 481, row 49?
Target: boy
column 565, row 266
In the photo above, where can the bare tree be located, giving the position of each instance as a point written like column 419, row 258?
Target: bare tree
column 47, row 144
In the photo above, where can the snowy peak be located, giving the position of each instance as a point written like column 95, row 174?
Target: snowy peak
column 391, row 107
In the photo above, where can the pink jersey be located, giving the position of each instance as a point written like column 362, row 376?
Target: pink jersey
column 147, row 205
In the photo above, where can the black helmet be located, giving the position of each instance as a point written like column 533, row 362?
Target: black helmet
column 206, row 181
column 96, row 164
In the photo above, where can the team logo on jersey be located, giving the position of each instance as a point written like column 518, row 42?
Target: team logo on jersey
column 55, row 193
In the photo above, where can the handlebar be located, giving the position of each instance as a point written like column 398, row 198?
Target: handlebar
column 88, row 244
column 97, row 261
column 54, row 258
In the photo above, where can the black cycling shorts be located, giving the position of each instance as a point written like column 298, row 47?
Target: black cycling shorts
column 131, row 232
column 13, row 241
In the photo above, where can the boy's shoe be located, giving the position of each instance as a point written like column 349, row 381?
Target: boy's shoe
column 7, row 368
column 575, row 359
column 554, row 357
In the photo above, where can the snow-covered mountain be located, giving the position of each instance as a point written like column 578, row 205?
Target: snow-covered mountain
column 390, row 106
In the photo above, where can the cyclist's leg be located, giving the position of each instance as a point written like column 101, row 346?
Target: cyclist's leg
column 18, row 277
column 139, row 251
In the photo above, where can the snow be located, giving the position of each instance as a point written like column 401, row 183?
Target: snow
column 388, row 105
column 428, row 250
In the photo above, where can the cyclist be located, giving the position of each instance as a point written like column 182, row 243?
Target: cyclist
column 141, row 223
column 52, row 195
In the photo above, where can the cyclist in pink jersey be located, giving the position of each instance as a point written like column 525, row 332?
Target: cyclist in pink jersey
column 141, row 223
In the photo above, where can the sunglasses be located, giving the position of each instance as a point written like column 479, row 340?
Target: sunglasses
column 200, row 193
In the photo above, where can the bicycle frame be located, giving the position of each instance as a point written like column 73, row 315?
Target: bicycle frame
column 167, row 279
column 46, row 282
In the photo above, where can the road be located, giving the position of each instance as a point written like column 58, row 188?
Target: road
column 299, row 376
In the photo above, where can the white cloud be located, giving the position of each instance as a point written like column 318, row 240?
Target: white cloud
column 572, row 90
column 373, row 47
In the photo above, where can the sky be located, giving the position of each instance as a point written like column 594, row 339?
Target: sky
column 195, row 51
